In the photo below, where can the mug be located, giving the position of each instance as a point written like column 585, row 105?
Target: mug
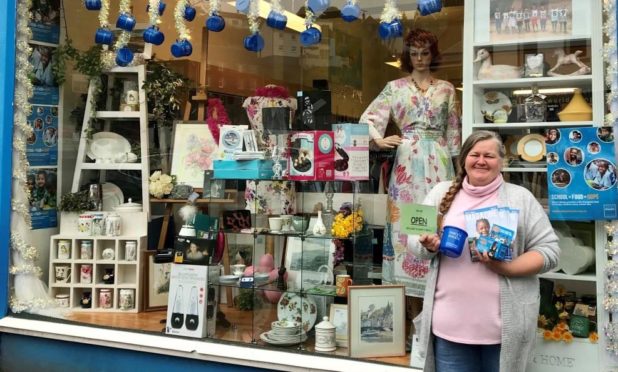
column 126, row 299
column 97, row 226
column 64, row 249
column 85, row 250
column 242, row 6
column 342, row 282
column 63, row 273
column 130, row 251
column 161, row 8
column 286, row 222
column 318, row 6
column 215, row 23
column 93, row 4
column 124, row 56
column 126, row 22
column 85, row 276
column 182, row 48
column 189, row 14
column 84, row 223
column 254, row 42
column 453, row 241
column 105, row 299
column 310, row 36
column 62, row 300
column 275, row 223
column 152, row 35
column 237, row 269
column 390, row 30
column 86, row 300
column 276, row 20
column 426, row 7
column 350, row 12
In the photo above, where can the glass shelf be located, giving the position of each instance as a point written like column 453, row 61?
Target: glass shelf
column 300, row 235
column 579, row 81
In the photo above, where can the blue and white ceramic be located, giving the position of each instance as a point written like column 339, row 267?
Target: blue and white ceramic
column 126, row 22
column 215, row 23
column 124, row 56
column 390, row 30
column 350, row 12
column 426, row 7
column 310, row 36
column 154, row 36
column 254, row 42
column 276, row 20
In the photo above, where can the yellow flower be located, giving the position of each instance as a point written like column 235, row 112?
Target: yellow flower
column 593, row 337
column 567, row 337
column 547, row 335
column 556, row 335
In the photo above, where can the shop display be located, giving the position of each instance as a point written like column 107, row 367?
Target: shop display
column 312, row 156
column 534, row 65
column 351, row 151
column 564, row 59
column 489, row 71
column 535, row 106
column 496, row 107
column 295, row 308
column 325, row 336
column 577, row 109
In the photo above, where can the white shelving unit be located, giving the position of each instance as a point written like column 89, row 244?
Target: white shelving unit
column 127, row 274
column 586, row 35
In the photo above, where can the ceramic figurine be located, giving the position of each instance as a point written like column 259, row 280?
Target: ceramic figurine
column 319, row 228
column 568, row 59
column 489, row 71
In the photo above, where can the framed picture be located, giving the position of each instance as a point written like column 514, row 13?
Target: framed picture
column 309, row 262
column 534, row 65
column 339, row 318
column 376, row 321
column 157, row 279
column 193, row 151
column 214, row 189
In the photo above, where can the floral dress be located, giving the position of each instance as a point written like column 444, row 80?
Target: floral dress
column 268, row 197
column 431, row 133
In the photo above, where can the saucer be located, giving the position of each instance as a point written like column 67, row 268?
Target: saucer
column 228, row 279
column 268, row 338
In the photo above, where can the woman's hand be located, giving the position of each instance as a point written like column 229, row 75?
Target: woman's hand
column 430, row 242
column 389, row 142
column 529, row 263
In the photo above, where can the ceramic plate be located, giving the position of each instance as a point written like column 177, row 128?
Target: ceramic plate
column 493, row 102
column 268, row 339
column 228, row 278
column 531, row 147
column 112, row 196
column 510, row 146
column 107, row 145
column 300, row 309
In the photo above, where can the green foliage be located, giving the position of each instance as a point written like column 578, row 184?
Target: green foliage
column 165, row 90
column 75, row 202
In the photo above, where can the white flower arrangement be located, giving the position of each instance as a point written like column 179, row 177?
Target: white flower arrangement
column 253, row 16
column 160, row 184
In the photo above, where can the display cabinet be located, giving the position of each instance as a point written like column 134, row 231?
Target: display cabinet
column 505, row 64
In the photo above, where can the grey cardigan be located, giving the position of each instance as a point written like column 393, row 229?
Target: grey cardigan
column 519, row 296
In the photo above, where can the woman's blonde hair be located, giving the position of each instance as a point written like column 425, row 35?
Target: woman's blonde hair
column 471, row 141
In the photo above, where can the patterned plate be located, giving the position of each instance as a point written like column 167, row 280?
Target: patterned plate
column 292, row 307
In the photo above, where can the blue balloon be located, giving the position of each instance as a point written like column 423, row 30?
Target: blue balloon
column 190, row 13
column 391, row 30
column 215, row 23
column 310, row 36
column 276, row 20
column 92, row 4
column 152, row 35
column 350, row 12
column 426, row 7
column 254, row 43
column 124, row 56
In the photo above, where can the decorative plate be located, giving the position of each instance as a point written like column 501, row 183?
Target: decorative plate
column 112, row 196
column 107, row 145
column 510, row 146
column 493, row 102
column 300, row 309
column 531, row 147
column 268, row 339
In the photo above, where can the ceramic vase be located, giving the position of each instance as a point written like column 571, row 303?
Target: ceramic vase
column 319, row 228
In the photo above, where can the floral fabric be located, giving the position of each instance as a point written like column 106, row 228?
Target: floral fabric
column 431, row 133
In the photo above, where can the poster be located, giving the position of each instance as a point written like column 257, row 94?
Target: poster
column 581, row 173
column 42, row 145
column 42, row 185
column 46, row 90
column 45, row 22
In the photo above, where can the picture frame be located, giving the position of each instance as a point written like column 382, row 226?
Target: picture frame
column 376, row 321
column 534, row 65
column 309, row 262
column 212, row 189
column 339, row 318
column 157, row 279
column 189, row 158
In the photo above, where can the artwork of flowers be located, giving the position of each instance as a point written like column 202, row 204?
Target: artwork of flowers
column 193, row 152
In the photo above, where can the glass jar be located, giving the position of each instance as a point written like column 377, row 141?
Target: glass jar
column 106, row 299
column 85, row 248
column 535, row 106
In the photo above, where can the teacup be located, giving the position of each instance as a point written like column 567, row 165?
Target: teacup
column 93, row 4
column 190, row 13
column 124, row 56
column 182, row 48
column 242, row 6
column 276, row 20
column 310, row 36
column 63, row 273
column 161, row 8
column 275, row 223
column 286, row 222
column 104, row 35
column 237, row 269
column 215, row 23
column 426, row 7
column 350, row 12
column 318, row 6
column 390, row 30
column 152, row 35
column 126, row 22
column 254, row 42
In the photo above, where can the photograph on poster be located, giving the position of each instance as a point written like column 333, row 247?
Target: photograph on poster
column 600, row 174
column 45, row 21
column 573, row 156
column 42, row 202
column 552, row 158
column 42, row 144
column 561, row 178
column 552, row 136
column 525, row 19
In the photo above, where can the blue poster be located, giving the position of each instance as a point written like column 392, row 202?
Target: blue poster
column 46, row 90
column 42, row 145
column 42, row 184
column 581, row 173
column 45, row 22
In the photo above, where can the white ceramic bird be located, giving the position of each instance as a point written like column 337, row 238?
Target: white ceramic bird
column 489, row 71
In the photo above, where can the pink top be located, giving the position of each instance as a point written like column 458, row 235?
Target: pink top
column 467, row 298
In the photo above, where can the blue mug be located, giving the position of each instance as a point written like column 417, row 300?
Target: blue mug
column 350, row 12
column 318, row 6
column 189, row 13
column 310, row 36
column 161, row 8
column 276, row 20
column 453, row 241
column 104, row 36
column 254, row 42
column 243, row 6
column 426, row 7
column 215, row 23
column 391, row 30
column 182, row 48
column 152, row 35
column 92, row 4
column 126, row 22
column 124, row 56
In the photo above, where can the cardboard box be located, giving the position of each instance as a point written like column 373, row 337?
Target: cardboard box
column 245, row 169
column 192, row 303
column 312, row 156
column 351, row 152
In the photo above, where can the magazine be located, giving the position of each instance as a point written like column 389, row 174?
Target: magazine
column 491, row 230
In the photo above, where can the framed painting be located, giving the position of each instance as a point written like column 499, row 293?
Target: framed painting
column 193, row 152
column 309, row 262
column 339, row 318
column 157, row 279
column 376, row 321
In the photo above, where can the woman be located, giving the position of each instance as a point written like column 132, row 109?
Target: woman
column 423, row 107
column 497, row 303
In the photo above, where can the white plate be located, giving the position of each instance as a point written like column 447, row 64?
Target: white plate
column 265, row 337
column 494, row 101
column 299, row 309
column 531, row 147
column 112, row 196
column 107, row 145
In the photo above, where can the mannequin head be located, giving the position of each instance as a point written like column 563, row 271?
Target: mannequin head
column 419, row 38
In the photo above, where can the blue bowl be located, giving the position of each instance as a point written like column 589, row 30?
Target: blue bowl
column 276, row 20
column 215, row 23
column 152, row 35
column 124, row 56
column 92, row 4
column 453, row 241
column 391, row 30
column 126, row 22
column 350, row 12
column 104, row 36
column 426, row 7
column 310, row 36
column 254, row 43
column 189, row 13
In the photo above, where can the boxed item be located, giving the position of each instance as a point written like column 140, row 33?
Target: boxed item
column 194, row 251
column 312, row 156
column 245, row 169
column 192, row 303
column 351, row 152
